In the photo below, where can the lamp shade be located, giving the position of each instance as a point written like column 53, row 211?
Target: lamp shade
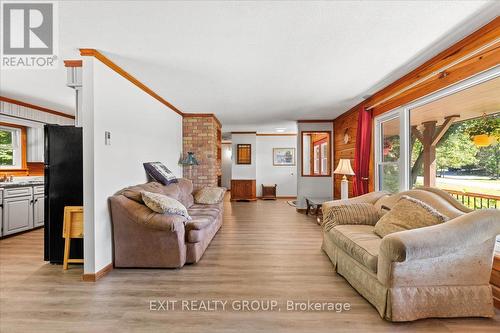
column 190, row 159
column 344, row 167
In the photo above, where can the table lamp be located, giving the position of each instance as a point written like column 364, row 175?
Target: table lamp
column 344, row 168
column 189, row 161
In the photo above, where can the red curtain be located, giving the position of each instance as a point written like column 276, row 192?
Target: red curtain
column 362, row 152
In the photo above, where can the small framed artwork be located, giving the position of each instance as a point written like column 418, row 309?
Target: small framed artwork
column 244, row 154
column 283, row 156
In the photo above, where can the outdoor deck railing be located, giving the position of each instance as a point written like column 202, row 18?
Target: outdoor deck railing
column 476, row 200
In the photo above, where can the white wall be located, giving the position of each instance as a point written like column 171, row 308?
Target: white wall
column 284, row 176
column 226, row 165
column 142, row 130
column 313, row 186
column 244, row 171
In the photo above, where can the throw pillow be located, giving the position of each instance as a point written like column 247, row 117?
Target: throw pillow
column 355, row 213
column 164, row 205
column 408, row 213
column 160, row 173
column 209, row 195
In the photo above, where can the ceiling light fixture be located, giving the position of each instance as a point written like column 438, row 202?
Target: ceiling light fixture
column 280, row 129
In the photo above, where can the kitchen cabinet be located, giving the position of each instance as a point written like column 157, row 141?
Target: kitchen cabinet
column 17, row 214
column 38, row 210
column 35, row 144
column 22, row 208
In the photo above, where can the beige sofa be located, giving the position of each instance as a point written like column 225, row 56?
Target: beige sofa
column 143, row 238
column 438, row 271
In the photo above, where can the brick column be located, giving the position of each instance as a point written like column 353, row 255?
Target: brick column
column 201, row 135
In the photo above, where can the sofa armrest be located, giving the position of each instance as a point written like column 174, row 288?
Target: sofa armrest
column 437, row 255
column 144, row 216
column 468, row 230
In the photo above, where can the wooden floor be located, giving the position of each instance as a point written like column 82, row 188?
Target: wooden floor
column 264, row 251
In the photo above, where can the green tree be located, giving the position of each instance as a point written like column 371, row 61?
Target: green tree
column 456, row 150
column 6, row 151
column 489, row 159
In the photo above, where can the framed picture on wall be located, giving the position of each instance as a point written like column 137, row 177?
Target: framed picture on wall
column 283, row 156
column 244, row 154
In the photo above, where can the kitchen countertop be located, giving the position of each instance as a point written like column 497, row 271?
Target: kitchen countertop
column 21, row 184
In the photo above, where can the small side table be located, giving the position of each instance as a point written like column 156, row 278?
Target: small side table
column 269, row 192
column 315, row 203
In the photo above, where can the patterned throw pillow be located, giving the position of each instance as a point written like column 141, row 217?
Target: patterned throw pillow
column 408, row 213
column 164, row 205
column 209, row 195
column 160, row 173
column 355, row 213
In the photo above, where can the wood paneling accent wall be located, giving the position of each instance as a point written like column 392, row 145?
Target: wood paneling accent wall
column 474, row 54
column 347, row 121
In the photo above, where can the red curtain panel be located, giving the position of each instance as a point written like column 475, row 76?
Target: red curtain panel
column 362, row 152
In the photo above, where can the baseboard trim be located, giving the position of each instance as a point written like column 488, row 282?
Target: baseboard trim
column 98, row 275
column 282, row 197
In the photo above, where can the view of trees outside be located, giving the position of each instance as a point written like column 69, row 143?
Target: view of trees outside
column 463, row 166
column 389, row 168
column 6, row 148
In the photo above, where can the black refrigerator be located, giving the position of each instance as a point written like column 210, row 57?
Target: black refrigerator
column 63, row 187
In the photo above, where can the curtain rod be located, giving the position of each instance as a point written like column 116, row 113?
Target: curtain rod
column 425, row 78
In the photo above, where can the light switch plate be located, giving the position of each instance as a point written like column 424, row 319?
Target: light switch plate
column 107, row 138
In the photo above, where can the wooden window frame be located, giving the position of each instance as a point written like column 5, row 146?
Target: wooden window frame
column 329, row 159
column 238, row 159
column 24, row 164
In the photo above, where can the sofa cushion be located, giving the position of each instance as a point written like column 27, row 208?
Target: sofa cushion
column 201, row 216
column 185, row 187
column 209, row 195
column 164, row 205
column 353, row 213
column 358, row 241
column 408, row 213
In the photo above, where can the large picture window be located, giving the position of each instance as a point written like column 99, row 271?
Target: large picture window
column 449, row 140
column 10, row 148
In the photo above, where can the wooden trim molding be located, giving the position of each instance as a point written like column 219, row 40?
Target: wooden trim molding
column 36, row 107
column 73, row 63
column 315, row 121
column 244, row 133
column 475, row 53
column 207, row 115
column 276, row 134
column 98, row 275
column 105, row 60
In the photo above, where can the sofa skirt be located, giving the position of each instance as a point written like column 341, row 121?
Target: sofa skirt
column 410, row 303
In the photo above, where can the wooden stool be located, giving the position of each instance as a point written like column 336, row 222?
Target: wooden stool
column 72, row 228
column 269, row 192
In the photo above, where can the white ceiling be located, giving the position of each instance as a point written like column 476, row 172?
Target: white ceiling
column 254, row 62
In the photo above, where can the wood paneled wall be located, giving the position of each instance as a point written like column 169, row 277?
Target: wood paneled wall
column 474, row 54
column 347, row 121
